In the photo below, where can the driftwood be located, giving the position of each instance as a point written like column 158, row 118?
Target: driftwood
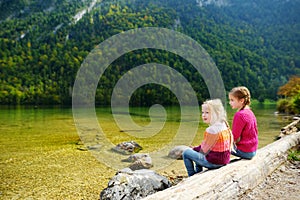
column 233, row 180
column 290, row 128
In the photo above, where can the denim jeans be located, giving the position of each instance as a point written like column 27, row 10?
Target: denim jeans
column 244, row 155
column 195, row 161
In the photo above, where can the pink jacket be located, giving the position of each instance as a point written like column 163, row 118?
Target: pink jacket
column 244, row 130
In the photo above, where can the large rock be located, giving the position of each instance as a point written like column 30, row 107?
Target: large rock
column 132, row 185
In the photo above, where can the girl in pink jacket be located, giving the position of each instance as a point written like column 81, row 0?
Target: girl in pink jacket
column 244, row 125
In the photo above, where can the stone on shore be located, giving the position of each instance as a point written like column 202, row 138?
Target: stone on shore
column 133, row 185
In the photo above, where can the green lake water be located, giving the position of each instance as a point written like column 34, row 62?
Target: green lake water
column 41, row 157
column 30, row 126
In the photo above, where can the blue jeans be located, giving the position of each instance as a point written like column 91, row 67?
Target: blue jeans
column 191, row 157
column 242, row 154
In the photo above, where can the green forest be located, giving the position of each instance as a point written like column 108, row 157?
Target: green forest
column 255, row 43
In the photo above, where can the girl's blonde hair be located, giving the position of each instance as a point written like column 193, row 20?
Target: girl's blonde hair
column 218, row 114
column 241, row 92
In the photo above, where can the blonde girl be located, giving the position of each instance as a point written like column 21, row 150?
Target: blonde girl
column 214, row 151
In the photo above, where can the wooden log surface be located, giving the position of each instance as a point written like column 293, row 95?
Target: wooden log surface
column 290, row 128
column 234, row 179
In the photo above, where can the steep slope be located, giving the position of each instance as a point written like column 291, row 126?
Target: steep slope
column 254, row 43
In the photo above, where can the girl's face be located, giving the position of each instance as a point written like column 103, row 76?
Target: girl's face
column 206, row 114
column 235, row 103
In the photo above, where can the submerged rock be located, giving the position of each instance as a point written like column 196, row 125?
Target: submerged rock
column 139, row 161
column 135, row 157
column 127, row 147
column 132, row 185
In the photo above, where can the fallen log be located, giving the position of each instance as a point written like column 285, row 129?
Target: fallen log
column 233, row 180
column 290, row 128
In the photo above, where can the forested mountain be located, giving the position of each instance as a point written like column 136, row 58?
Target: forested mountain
column 255, row 43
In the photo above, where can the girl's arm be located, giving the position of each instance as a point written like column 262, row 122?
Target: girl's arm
column 209, row 141
column 237, row 127
column 197, row 148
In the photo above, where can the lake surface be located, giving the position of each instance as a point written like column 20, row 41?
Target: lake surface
column 55, row 126
column 40, row 154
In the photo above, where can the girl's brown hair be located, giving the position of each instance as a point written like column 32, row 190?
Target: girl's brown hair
column 241, row 92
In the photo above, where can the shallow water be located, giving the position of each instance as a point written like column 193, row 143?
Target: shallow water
column 30, row 126
column 40, row 157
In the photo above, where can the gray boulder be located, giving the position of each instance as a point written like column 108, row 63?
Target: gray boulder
column 132, row 185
